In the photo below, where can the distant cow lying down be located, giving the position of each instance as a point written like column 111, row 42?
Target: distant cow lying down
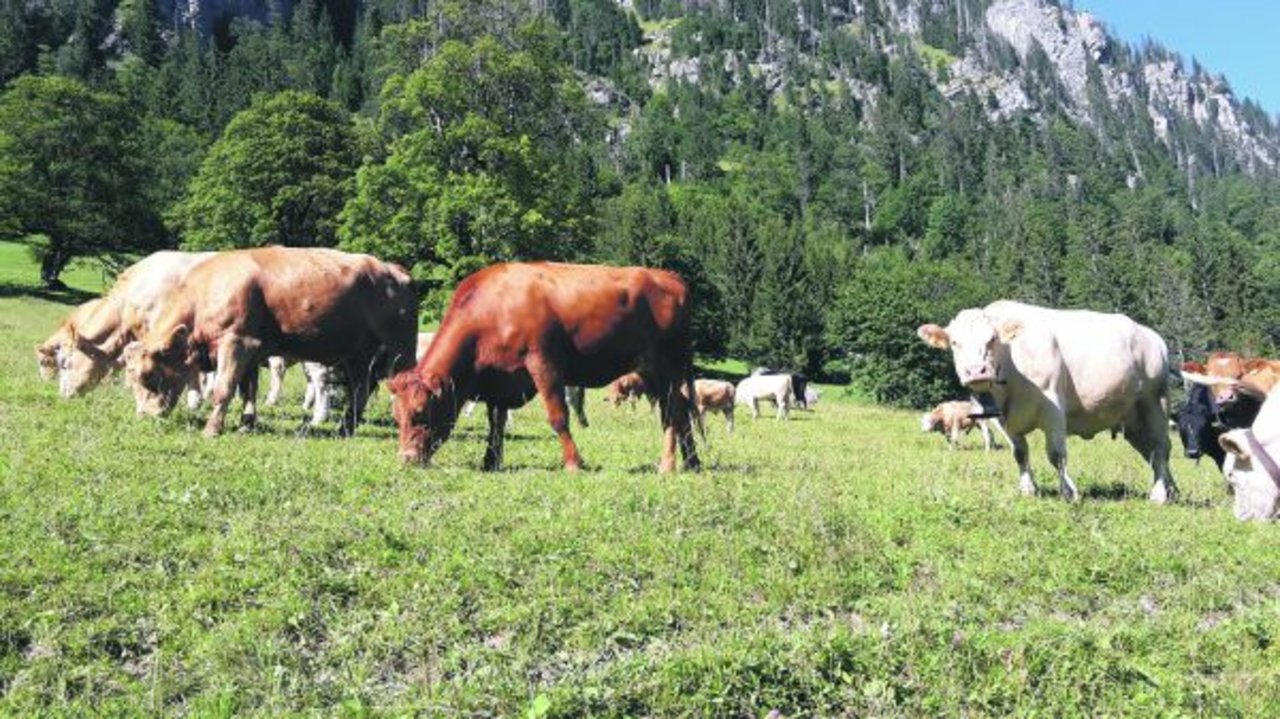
column 519, row 329
column 951, row 419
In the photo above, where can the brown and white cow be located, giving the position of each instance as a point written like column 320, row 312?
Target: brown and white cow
column 713, row 395
column 952, row 419
column 342, row 310
column 519, row 329
column 1065, row 372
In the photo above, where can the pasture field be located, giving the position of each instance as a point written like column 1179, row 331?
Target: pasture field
column 842, row 564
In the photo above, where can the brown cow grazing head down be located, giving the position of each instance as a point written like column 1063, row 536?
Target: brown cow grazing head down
column 425, row 410
column 238, row 308
column 519, row 329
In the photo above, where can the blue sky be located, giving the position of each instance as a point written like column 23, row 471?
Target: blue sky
column 1236, row 38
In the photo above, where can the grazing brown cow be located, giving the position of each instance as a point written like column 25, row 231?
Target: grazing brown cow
column 627, row 388
column 951, row 419
column 318, row 305
column 1229, row 375
column 713, row 395
column 515, row 329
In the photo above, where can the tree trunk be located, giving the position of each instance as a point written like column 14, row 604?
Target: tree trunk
column 51, row 266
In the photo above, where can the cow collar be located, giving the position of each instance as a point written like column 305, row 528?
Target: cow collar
column 1264, row 459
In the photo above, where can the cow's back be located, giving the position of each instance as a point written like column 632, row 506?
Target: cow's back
column 146, row 288
column 1106, row 361
column 590, row 316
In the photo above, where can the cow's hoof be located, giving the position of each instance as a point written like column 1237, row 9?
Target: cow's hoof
column 573, row 467
column 1159, row 495
column 212, row 432
column 1027, row 489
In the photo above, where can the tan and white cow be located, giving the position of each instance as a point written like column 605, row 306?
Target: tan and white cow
column 713, row 395
column 93, row 342
column 952, row 419
column 1065, row 372
column 1252, row 464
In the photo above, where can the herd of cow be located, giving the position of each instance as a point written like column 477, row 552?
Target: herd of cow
column 203, row 324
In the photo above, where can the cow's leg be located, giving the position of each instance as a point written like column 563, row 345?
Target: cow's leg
column 728, row 416
column 276, row 366
column 357, row 395
column 953, row 436
column 986, row 435
column 233, row 363
column 1149, row 437
column 249, row 396
column 319, row 385
column 1022, row 455
column 551, row 388
column 1055, row 442
column 755, row 408
column 675, row 412
column 497, row 433
column 577, row 398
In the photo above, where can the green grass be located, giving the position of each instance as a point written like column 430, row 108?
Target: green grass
column 842, row 564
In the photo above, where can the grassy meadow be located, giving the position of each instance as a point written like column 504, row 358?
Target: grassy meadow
column 841, row 564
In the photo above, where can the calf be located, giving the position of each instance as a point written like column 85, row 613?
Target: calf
column 627, row 388
column 713, row 395
column 519, row 329
column 953, row 418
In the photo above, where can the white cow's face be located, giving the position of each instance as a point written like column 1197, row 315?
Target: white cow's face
column 927, row 422
column 1256, row 494
column 977, row 346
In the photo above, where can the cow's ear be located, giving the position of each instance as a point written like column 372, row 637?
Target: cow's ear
column 1009, row 330
column 1197, row 367
column 1235, row 443
column 401, row 382
column 934, row 336
column 1255, row 364
column 176, row 340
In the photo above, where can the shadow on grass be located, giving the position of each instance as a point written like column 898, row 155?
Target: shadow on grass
column 65, row 295
column 1123, row 492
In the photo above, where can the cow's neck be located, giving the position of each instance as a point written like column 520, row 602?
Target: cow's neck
column 452, row 357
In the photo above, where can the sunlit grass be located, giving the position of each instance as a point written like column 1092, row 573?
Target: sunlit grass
column 838, row 564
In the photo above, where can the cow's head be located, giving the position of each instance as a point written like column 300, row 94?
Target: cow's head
column 1256, row 494
column 978, row 344
column 82, row 365
column 929, row 421
column 425, row 408
column 158, row 369
column 1195, row 424
column 47, row 358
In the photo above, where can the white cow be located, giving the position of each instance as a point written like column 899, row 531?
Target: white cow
column 1252, row 466
column 1065, row 372
column 773, row 387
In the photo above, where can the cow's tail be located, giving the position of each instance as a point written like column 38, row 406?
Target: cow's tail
column 695, row 417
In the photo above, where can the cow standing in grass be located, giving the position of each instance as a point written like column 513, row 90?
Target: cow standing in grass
column 771, row 387
column 1065, row 372
column 232, row 311
column 520, row 329
column 713, row 395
